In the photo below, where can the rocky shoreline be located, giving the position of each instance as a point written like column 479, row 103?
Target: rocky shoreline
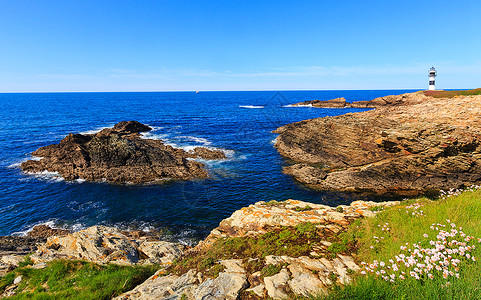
column 307, row 273
column 120, row 155
column 416, row 144
column 393, row 100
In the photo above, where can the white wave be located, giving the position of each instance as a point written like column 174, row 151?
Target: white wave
column 199, row 140
column 155, row 128
column 17, row 164
column 80, row 180
column 274, row 141
column 298, row 105
column 185, row 148
column 46, row 175
column 52, row 223
column 77, row 227
column 228, row 153
column 153, row 136
column 186, row 237
column 251, row 106
column 14, row 166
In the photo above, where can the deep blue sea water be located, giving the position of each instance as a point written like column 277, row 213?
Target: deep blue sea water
column 239, row 122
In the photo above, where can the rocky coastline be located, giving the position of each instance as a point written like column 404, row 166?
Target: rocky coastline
column 415, row 144
column 311, row 271
column 393, row 100
column 120, row 155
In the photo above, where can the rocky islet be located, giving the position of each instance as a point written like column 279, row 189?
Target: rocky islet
column 120, row 155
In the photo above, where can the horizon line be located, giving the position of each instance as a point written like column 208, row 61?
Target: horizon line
column 194, row 91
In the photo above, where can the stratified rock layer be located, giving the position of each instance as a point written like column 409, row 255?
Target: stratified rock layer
column 419, row 144
column 119, row 155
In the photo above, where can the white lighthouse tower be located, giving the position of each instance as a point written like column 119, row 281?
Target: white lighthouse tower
column 432, row 75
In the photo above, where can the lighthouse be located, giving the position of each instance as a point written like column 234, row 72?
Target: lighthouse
column 432, row 75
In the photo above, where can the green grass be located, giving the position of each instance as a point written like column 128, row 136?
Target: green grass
column 64, row 279
column 306, row 208
column 464, row 210
column 271, row 270
column 450, row 94
column 291, row 241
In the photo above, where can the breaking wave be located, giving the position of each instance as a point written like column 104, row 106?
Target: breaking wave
column 251, row 106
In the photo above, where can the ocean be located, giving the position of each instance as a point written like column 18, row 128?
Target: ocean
column 240, row 123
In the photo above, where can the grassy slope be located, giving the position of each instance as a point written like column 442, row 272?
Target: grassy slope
column 76, row 280
column 463, row 210
column 450, row 94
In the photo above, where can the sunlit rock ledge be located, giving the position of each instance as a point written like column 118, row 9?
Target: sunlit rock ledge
column 307, row 274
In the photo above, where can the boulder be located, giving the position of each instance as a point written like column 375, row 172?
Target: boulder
column 276, row 285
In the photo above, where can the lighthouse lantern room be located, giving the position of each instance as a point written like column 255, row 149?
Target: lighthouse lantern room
column 432, row 75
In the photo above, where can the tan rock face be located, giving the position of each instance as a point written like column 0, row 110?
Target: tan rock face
column 301, row 276
column 102, row 245
column 420, row 144
column 119, row 155
column 261, row 217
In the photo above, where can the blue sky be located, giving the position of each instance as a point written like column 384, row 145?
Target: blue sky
column 237, row 45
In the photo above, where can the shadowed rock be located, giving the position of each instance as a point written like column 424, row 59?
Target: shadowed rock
column 119, row 155
column 45, row 231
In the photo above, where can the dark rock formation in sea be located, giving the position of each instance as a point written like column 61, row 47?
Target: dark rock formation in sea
column 405, row 99
column 119, row 155
column 416, row 144
column 333, row 103
column 45, row 231
column 22, row 245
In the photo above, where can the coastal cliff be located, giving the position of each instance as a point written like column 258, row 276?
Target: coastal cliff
column 119, row 155
column 266, row 250
column 416, row 144
column 270, row 250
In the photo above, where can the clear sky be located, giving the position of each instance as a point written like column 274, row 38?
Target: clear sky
column 84, row 45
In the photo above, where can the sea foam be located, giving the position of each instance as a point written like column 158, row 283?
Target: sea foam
column 298, row 105
column 251, row 106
